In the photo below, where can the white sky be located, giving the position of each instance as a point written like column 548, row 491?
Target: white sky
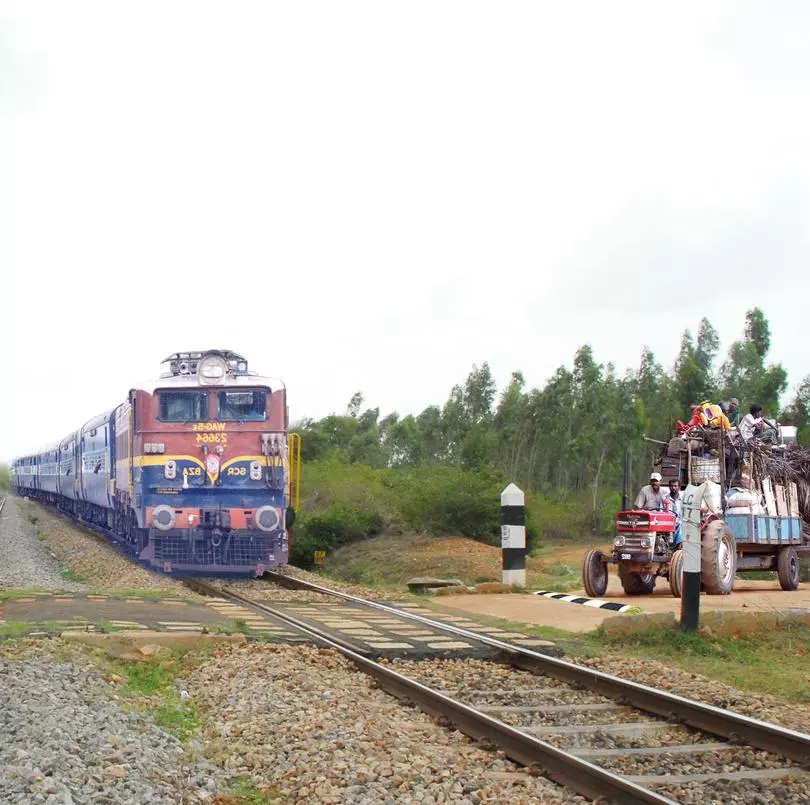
column 375, row 196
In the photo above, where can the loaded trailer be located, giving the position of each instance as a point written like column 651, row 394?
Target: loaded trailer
column 755, row 516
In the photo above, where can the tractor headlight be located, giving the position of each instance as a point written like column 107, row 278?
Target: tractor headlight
column 619, row 541
column 646, row 542
column 163, row 517
column 268, row 518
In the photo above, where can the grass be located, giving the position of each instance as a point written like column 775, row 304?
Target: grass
column 136, row 592
column 14, row 629
column 22, row 628
column 22, row 592
column 150, row 688
column 71, row 575
column 242, row 792
column 237, row 626
column 775, row 662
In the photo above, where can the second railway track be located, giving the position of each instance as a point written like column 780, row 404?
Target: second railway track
column 604, row 737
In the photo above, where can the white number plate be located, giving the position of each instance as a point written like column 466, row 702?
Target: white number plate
column 625, row 556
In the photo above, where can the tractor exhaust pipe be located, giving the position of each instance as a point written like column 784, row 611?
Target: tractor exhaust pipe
column 625, row 481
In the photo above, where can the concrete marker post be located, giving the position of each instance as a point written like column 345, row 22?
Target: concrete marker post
column 513, row 536
column 690, row 596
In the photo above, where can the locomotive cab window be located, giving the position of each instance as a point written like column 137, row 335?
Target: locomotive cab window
column 183, row 406
column 245, row 405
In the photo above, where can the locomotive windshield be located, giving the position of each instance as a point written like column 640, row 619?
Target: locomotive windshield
column 183, row 406
column 245, row 405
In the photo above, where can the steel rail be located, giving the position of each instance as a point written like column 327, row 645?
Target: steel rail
column 566, row 769
column 2, row 503
column 735, row 727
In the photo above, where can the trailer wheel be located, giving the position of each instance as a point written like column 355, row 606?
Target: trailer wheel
column 718, row 559
column 636, row 583
column 676, row 574
column 788, row 569
column 595, row 573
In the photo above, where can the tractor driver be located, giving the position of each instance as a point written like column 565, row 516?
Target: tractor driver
column 651, row 497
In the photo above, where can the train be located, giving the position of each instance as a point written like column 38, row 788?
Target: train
column 194, row 473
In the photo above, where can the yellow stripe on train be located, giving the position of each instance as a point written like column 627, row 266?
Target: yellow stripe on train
column 159, row 461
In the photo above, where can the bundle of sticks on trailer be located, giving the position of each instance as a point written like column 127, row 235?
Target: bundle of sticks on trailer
column 755, row 516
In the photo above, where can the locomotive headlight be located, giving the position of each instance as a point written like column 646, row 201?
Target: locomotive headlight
column 163, row 517
column 212, row 369
column 268, row 518
column 170, row 470
column 255, row 471
column 619, row 541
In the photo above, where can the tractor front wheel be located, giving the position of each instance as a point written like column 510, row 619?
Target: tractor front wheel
column 636, row 583
column 676, row 574
column 595, row 573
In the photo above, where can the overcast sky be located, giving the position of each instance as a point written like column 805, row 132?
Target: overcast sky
column 374, row 196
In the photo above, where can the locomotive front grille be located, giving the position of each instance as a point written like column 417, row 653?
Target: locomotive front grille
column 238, row 551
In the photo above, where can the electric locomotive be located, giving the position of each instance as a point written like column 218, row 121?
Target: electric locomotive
column 195, row 473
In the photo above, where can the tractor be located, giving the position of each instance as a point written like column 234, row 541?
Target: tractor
column 751, row 518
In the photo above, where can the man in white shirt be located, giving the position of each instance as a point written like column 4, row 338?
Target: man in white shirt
column 753, row 425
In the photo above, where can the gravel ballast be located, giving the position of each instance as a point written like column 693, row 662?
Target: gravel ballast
column 25, row 560
column 481, row 683
column 794, row 716
column 304, row 722
column 305, row 725
column 65, row 739
column 99, row 564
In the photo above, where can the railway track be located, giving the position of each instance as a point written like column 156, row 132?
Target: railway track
column 590, row 731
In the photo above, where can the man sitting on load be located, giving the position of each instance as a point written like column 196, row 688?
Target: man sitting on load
column 732, row 411
column 651, row 496
column 753, row 425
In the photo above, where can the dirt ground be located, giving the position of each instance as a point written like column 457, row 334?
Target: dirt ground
column 536, row 610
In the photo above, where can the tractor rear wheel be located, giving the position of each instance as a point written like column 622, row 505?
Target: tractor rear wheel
column 788, row 569
column 718, row 559
column 636, row 583
column 676, row 574
column 595, row 573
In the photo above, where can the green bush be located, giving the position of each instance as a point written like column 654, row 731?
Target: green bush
column 804, row 569
column 562, row 519
column 5, row 478
column 450, row 501
column 344, row 502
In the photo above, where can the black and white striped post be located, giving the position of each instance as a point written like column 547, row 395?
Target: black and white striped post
column 513, row 535
column 690, row 590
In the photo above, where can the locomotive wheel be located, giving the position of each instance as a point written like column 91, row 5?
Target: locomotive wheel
column 676, row 574
column 788, row 569
column 718, row 559
column 636, row 583
column 595, row 573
